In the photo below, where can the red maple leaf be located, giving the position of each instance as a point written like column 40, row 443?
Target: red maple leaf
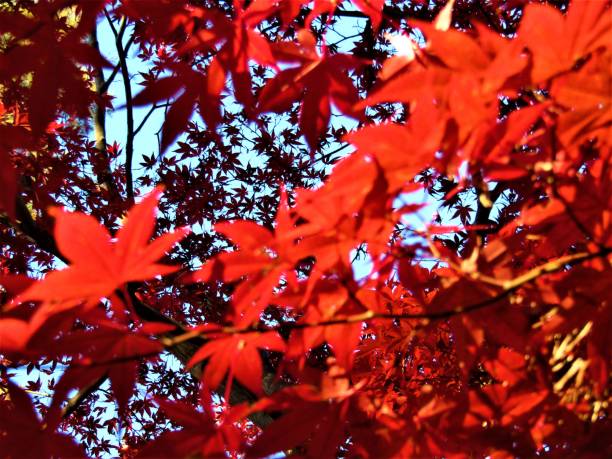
column 237, row 354
column 100, row 264
column 290, row 8
column 262, row 257
column 586, row 27
column 22, row 434
column 50, row 44
column 201, row 433
column 316, row 414
column 194, row 90
column 233, row 44
column 109, row 350
column 318, row 80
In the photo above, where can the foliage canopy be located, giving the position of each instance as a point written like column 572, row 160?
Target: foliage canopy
column 265, row 273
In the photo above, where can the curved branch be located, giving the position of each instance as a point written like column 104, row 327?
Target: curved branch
column 509, row 287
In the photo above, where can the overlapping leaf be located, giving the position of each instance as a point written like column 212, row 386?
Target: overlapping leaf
column 99, row 264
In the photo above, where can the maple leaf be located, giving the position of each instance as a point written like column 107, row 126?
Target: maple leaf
column 192, row 92
column 464, row 73
column 237, row 43
column 403, row 151
column 14, row 335
column 587, row 198
column 237, row 354
column 372, row 8
column 509, row 99
column 584, row 96
column 342, row 195
column 515, row 403
column 463, row 213
column 586, row 27
column 332, row 230
column 50, row 45
column 11, row 137
column 316, row 414
column 22, row 434
column 159, row 19
column 321, row 302
column 342, row 338
column 318, row 80
column 262, row 256
column 508, row 366
column 14, row 284
column 201, row 433
column 9, row 181
column 109, row 350
column 497, row 142
column 98, row 264
column 289, row 9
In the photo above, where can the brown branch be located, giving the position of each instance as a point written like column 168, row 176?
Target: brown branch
column 104, row 88
column 129, row 107
column 147, row 116
column 77, row 399
column 183, row 344
column 509, row 286
column 105, row 176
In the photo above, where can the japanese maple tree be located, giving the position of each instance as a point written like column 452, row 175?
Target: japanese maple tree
column 316, row 228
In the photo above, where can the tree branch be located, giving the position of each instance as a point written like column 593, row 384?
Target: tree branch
column 127, row 87
column 105, row 176
column 510, row 286
column 111, row 77
column 192, row 340
column 77, row 399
